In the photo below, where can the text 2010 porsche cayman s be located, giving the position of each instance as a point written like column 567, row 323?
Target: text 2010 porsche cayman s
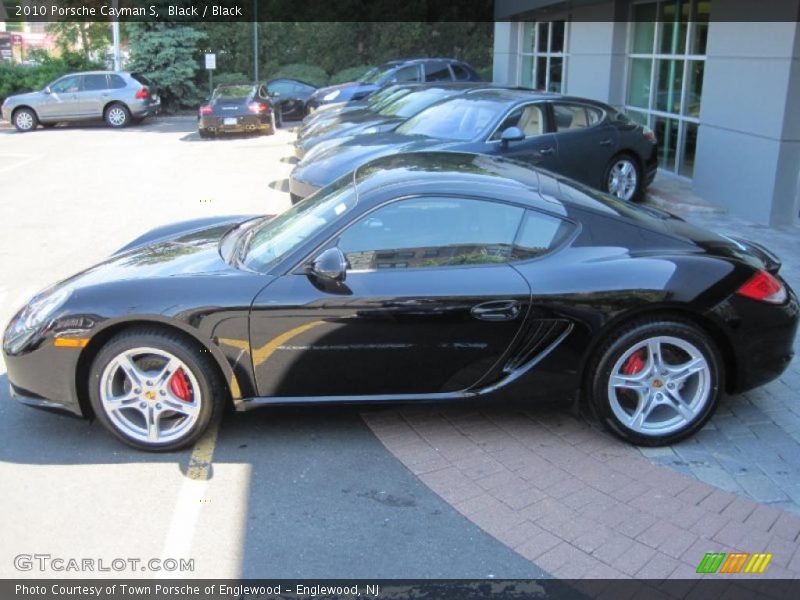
column 418, row 277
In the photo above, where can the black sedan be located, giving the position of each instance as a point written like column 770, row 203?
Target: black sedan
column 238, row 108
column 291, row 96
column 583, row 139
column 387, row 117
column 420, row 277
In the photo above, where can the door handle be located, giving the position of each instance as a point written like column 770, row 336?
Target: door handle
column 496, row 310
column 606, row 142
column 546, row 151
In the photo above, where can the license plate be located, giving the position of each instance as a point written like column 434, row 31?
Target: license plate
column 230, row 121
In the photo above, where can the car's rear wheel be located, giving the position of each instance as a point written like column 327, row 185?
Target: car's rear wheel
column 117, row 116
column 623, row 178
column 656, row 382
column 154, row 390
column 25, row 120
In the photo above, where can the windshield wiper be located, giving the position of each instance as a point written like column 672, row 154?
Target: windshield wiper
column 244, row 244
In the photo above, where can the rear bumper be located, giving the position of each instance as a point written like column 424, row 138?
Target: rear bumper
column 242, row 123
column 146, row 108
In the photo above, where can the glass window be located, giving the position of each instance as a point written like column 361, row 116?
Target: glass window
column 686, row 167
column 573, row 116
column 408, row 74
column 269, row 242
column 116, row 82
column 639, row 83
column 674, row 26
column 644, row 17
column 557, row 39
column 460, row 73
column 432, row 232
column 412, row 103
column 694, row 89
column 666, row 131
column 670, row 83
column 528, row 118
column 542, row 34
column 67, row 85
column 539, row 234
column 460, row 118
column 232, row 92
column 543, row 55
column 437, row 71
column 284, row 88
column 93, row 83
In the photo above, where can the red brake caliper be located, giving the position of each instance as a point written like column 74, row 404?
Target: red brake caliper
column 634, row 364
column 179, row 385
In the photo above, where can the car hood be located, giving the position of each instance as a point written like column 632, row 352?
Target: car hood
column 348, row 127
column 346, row 90
column 22, row 98
column 332, row 163
column 186, row 249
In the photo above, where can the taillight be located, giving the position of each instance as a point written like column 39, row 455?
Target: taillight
column 206, row 110
column 764, row 287
column 256, row 107
column 142, row 93
column 648, row 134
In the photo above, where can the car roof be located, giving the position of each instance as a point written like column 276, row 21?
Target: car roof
column 403, row 61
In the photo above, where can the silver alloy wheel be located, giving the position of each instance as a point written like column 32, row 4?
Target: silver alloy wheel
column 137, row 395
column 117, row 116
column 659, row 385
column 623, row 179
column 24, row 120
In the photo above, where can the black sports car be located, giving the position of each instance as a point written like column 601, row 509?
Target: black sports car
column 387, row 117
column 583, row 139
column 238, row 108
column 419, row 277
column 291, row 95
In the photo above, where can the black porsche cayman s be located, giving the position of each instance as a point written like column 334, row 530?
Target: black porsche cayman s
column 418, row 277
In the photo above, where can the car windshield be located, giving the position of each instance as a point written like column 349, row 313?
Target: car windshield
column 410, row 104
column 456, row 119
column 228, row 92
column 374, row 74
column 266, row 244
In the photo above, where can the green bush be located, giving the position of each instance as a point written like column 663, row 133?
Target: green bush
column 349, row 74
column 17, row 79
column 231, row 79
column 486, row 73
column 308, row 73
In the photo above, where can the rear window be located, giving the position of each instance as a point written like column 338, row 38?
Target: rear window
column 115, row 82
column 233, row 91
column 460, row 72
column 143, row 79
column 93, row 83
column 437, row 71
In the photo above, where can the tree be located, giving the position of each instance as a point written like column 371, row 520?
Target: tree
column 88, row 38
column 168, row 54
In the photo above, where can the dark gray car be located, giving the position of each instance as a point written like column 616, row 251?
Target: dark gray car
column 117, row 97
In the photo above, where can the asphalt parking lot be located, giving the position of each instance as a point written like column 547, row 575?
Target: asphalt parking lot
column 441, row 492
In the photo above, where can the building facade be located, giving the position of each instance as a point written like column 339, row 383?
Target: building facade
column 717, row 80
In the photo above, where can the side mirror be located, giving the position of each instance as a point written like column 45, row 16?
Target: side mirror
column 511, row 134
column 330, row 265
column 47, row 90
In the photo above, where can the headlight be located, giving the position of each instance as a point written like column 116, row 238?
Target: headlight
column 331, row 95
column 31, row 318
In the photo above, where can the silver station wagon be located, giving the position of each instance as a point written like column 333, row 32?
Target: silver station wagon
column 117, row 97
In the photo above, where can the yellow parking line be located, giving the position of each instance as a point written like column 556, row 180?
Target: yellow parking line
column 199, row 467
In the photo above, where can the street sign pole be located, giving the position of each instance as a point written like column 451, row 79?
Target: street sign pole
column 255, row 41
column 211, row 64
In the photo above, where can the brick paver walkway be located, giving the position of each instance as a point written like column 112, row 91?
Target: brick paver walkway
column 576, row 501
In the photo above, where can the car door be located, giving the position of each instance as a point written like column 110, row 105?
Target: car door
column 282, row 93
column 62, row 101
column 586, row 141
column 94, row 94
column 428, row 306
column 538, row 148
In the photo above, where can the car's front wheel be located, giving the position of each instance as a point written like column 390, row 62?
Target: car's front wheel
column 154, row 390
column 25, row 120
column 656, row 382
column 623, row 178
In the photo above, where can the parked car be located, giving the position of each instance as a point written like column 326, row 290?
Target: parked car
column 238, row 108
column 453, row 276
column 118, row 97
column 291, row 95
column 386, row 118
column 396, row 71
column 583, row 139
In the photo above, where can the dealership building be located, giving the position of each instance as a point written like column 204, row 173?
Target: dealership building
column 717, row 80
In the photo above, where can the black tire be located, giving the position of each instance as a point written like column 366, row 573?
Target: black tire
column 117, row 116
column 279, row 118
column 622, row 341
column 25, row 120
column 638, row 191
column 200, row 364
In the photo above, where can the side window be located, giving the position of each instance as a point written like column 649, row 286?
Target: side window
column 406, row 74
column 528, row 118
column 94, row 83
column 284, row 88
column 573, row 116
column 461, row 74
column 539, row 234
column 116, row 82
column 67, row 85
column 437, row 71
column 432, row 232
